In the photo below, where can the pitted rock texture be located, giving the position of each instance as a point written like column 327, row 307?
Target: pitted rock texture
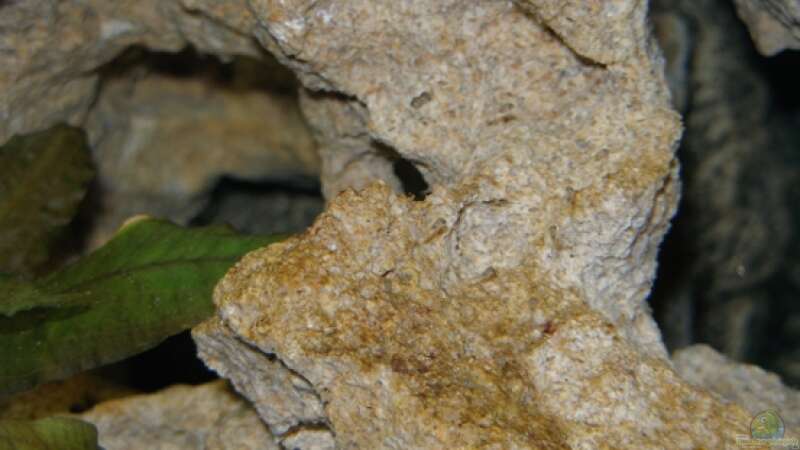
column 358, row 312
column 207, row 417
column 528, row 113
column 774, row 24
column 537, row 141
column 507, row 308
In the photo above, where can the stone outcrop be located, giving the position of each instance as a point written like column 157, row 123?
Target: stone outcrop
column 506, row 309
column 748, row 385
column 207, row 417
column 774, row 24
column 370, row 345
column 162, row 143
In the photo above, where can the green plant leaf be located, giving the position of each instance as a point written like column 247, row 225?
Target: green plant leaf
column 43, row 178
column 52, row 433
column 17, row 294
column 152, row 280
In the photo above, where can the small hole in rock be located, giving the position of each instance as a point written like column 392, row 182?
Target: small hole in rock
column 421, row 100
column 414, row 183
column 411, row 179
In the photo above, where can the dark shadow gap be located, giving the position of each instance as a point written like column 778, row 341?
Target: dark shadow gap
column 174, row 361
column 413, row 182
column 285, row 206
column 241, row 73
column 406, row 171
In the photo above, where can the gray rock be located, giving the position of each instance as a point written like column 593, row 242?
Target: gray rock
column 774, row 24
column 207, row 417
column 748, row 385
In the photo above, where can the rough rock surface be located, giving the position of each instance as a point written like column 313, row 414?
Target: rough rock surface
column 507, row 308
column 49, row 51
column 372, row 344
column 774, row 24
column 207, row 417
column 523, row 135
column 748, row 385
column 161, row 143
column 285, row 400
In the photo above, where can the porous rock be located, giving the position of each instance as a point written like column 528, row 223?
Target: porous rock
column 207, row 417
column 516, row 122
column 506, row 309
column 774, row 24
column 351, row 327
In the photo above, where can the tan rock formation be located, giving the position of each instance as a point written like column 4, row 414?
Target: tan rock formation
column 207, row 417
column 534, row 133
column 352, row 327
column 506, row 310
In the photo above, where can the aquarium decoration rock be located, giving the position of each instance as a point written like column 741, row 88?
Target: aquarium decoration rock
column 500, row 305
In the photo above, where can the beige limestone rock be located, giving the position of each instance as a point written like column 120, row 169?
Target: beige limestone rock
column 161, row 143
column 353, row 319
column 49, row 51
column 514, row 121
column 774, row 24
column 207, row 417
column 748, row 385
column 507, row 309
